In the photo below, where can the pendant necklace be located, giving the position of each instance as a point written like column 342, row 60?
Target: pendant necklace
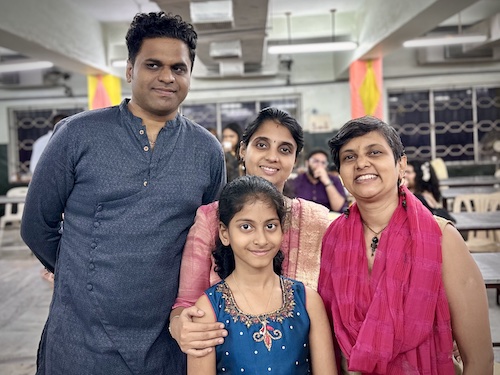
column 374, row 243
column 266, row 333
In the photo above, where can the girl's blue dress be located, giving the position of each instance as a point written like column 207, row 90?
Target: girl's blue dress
column 274, row 343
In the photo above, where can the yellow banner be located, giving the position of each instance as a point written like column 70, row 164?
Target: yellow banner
column 103, row 91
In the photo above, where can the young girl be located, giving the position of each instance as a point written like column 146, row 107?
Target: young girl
column 276, row 325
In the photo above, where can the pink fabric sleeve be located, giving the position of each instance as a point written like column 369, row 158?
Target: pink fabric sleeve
column 197, row 273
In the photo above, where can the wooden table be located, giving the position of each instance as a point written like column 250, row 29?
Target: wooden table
column 470, row 181
column 489, row 265
column 477, row 221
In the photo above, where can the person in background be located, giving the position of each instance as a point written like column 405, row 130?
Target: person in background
column 214, row 132
column 129, row 180
column 231, row 138
column 284, row 323
column 269, row 148
column 319, row 186
column 398, row 283
column 38, row 147
column 421, row 180
column 40, row 144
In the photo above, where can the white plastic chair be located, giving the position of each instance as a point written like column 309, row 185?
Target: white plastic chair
column 494, row 205
column 440, row 168
column 13, row 211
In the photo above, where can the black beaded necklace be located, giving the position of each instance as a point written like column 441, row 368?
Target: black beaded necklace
column 374, row 243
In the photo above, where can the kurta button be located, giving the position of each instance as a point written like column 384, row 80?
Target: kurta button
column 146, row 148
column 96, row 224
column 93, row 245
column 145, row 183
column 141, row 132
column 91, row 266
column 99, row 208
column 89, row 287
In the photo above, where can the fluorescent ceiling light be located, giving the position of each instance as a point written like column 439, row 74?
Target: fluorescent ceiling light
column 21, row 65
column 312, row 47
column 445, row 40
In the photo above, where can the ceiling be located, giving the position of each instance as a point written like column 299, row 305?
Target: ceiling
column 87, row 36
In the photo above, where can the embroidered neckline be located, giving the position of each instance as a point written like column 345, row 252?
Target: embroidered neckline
column 285, row 311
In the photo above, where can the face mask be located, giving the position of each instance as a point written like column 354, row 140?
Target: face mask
column 227, row 145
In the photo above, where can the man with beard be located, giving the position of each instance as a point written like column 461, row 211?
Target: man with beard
column 319, row 186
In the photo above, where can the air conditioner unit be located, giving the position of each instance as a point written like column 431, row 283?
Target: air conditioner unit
column 455, row 55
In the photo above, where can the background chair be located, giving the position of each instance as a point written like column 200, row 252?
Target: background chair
column 494, row 205
column 13, row 211
column 440, row 168
column 479, row 240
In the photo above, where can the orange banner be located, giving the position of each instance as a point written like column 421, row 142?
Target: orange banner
column 103, row 91
column 365, row 78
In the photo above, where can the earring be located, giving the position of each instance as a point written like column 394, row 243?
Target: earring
column 346, row 213
column 403, row 196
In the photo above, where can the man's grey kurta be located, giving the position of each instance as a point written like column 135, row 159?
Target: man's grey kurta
column 127, row 210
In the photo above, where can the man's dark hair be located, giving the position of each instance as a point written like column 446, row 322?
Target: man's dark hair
column 159, row 25
column 56, row 118
column 318, row 151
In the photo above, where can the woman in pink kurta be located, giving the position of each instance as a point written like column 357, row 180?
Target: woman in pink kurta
column 269, row 148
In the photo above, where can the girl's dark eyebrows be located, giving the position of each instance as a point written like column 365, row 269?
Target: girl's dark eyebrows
column 244, row 220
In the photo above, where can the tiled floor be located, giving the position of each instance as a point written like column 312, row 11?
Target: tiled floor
column 24, row 303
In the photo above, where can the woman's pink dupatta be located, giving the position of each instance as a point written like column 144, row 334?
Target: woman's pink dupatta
column 396, row 320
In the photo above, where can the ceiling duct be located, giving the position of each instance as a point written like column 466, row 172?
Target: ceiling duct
column 231, row 35
column 231, row 68
column 211, row 11
column 230, row 49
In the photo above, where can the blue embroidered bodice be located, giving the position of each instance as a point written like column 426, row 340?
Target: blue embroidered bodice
column 273, row 343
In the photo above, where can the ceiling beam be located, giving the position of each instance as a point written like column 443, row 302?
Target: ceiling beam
column 54, row 30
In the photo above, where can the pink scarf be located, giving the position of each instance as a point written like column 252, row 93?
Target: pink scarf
column 396, row 320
